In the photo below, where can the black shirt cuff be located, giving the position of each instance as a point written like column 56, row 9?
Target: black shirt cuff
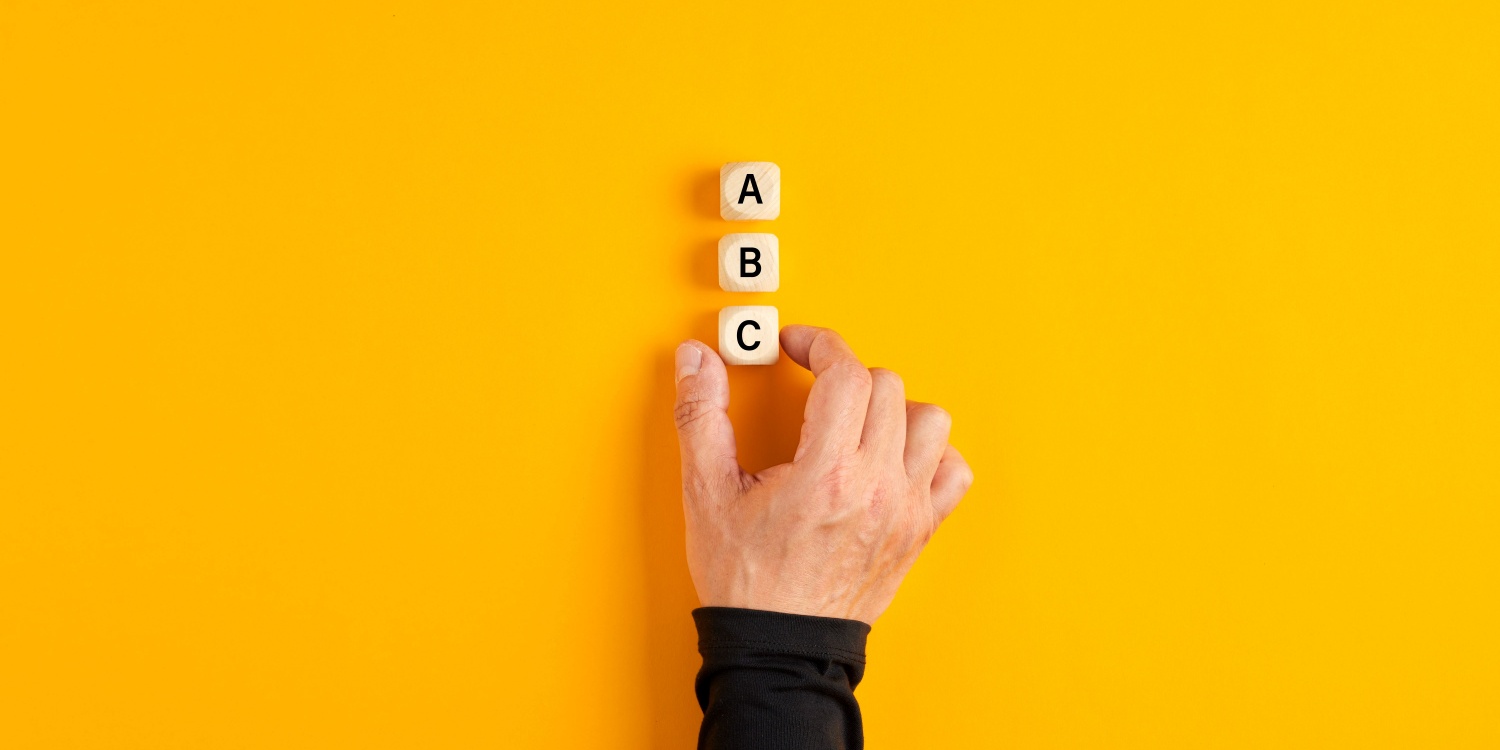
column 779, row 632
column 775, row 680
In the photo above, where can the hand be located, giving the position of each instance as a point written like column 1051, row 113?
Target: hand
column 833, row 532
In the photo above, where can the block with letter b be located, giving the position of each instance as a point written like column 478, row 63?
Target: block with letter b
column 749, row 262
column 749, row 335
column 749, row 191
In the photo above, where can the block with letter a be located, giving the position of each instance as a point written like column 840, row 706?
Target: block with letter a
column 750, row 191
column 749, row 335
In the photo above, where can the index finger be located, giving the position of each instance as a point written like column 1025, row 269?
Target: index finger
column 835, row 413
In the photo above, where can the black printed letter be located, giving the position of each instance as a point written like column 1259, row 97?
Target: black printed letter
column 739, row 335
column 749, row 256
column 750, row 188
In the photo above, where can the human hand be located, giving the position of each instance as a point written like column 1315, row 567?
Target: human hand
column 833, row 532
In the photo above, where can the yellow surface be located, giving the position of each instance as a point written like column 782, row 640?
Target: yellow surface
column 335, row 349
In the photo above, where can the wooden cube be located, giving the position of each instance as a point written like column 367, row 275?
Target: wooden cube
column 749, row 262
column 750, row 191
column 749, row 335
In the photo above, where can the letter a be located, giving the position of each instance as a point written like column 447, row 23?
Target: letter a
column 750, row 188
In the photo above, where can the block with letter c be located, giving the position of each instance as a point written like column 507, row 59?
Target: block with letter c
column 749, row 335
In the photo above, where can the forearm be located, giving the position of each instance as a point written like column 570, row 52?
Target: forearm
column 773, row 681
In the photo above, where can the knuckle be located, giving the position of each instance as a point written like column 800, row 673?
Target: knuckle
column 935, row 414
column 840, row 485
column 823, row 338
column 965, row 479
column 887, row 379
column 849, row 372
column 839, row 479
column 691, row 408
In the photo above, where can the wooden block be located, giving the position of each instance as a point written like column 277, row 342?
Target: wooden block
column 750, row 191
column 749, row 335
column 749, row 262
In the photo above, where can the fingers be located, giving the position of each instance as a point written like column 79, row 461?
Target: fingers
column 953, row 479
column 836, row 406
column 927, row 428
column 703, row 429
column 885, row 419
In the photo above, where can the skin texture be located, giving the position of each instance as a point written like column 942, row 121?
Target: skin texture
column 833, row 532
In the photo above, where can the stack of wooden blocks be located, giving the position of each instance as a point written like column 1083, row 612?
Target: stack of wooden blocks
column 749, row 262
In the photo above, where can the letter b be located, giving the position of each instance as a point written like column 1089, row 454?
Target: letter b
column 749, row 262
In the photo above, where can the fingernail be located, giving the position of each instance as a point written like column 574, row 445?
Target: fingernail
column 688, row 360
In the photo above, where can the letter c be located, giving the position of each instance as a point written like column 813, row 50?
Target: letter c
column 739, row 335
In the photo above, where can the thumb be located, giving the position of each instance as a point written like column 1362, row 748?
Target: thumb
column 703, row 429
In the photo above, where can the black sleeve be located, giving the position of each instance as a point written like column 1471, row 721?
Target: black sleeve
column 773, row 681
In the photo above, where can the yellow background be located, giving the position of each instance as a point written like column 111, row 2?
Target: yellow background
column 335, row 344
